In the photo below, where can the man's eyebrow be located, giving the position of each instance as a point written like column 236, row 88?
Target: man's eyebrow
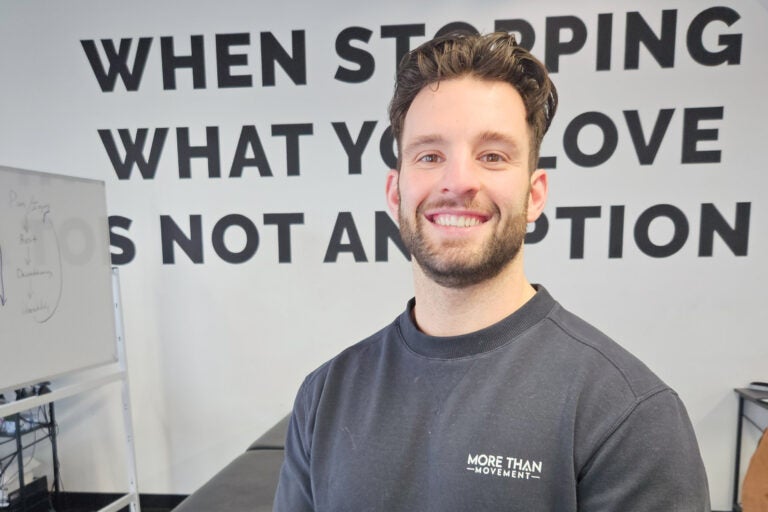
column 423, row 140
column 512, row 143
column 492, row 136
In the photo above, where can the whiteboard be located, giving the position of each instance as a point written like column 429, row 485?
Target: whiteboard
column 56, row 305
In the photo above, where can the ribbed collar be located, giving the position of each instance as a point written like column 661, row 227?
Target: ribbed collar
column 484, row 340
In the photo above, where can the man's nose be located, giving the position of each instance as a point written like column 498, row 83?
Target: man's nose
column 460, row 176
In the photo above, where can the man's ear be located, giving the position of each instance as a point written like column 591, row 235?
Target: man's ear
column 393, row 193
column 537, row 196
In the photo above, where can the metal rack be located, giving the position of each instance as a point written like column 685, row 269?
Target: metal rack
column 21, row 430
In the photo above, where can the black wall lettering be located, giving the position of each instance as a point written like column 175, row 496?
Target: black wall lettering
column 225, row 60
column 555, row 47
column 364, row 60
column 345, row 223
column 646, row 152
column 540, row 229
column 456, row 27
column 662, row 48
column 354, row 148
column 249, row 139
column 571, row 139
column 616, row 232
column 295, row 65
column 402, row 35
column 291, row 132
column 251, row 238
column 210, row 151
column 547, row 162
column 386, row 230
column 578, row 216
column 192, row 246
column 692, row 135
column 736, row 237
column 123, row 243
column 387, row 149
column 118, row 62
column 134, row 151
column 604, row 40
column 524, row 33
column 171, row 62
column 731, row 43
column 283, row 221
column 679, row 237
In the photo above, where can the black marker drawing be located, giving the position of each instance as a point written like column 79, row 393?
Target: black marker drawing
column 38, row 259
column 2, row 283
column 52, row 309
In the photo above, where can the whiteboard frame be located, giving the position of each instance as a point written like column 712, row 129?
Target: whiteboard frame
column 74, row 367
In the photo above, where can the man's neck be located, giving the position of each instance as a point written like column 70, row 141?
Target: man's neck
column 442, row 311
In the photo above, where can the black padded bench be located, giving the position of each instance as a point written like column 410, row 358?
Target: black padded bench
column 248, row 483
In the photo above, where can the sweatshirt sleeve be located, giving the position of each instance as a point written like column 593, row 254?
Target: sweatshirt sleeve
column 649, row 461
column 294, row 489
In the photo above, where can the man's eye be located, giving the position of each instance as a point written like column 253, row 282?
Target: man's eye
column 429, row 159
column 492, row 158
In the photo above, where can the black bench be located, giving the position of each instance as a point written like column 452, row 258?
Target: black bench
column 248, row 483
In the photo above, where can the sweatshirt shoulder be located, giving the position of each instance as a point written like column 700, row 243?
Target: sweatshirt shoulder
column 604, row 352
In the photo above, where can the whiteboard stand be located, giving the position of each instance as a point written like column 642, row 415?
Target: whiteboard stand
column 132, row 497
column 112, row 373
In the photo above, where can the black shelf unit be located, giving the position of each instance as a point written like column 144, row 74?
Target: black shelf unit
column 22, row 429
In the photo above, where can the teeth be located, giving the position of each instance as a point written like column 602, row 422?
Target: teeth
column 456, row 221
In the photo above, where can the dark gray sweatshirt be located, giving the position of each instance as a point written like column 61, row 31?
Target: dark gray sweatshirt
column 539, row 412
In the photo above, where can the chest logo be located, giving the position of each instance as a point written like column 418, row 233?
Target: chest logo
column 503, row 466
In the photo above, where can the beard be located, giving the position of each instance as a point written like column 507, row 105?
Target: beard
column 459, row 264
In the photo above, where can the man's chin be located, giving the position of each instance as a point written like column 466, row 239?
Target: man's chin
column 459, row 273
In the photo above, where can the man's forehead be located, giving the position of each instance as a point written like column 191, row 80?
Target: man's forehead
column 466, row 108
column 468, row 96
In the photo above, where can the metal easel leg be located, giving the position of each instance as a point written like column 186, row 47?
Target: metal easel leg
column 135, row 506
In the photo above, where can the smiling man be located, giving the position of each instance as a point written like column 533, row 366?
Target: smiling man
column 485, row 393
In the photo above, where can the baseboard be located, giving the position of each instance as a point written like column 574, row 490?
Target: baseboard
column 76, row 501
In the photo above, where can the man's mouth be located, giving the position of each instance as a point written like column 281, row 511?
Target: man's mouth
column 458, row 221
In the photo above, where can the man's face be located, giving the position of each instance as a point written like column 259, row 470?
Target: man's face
column 464, row 193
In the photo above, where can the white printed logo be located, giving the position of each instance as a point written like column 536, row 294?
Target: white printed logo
column 504, row 467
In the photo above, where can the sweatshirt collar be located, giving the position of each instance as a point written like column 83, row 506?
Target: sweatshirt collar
column 484, row 340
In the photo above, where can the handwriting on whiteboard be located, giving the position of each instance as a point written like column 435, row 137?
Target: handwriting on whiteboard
column 2, row 282
column 32, row 259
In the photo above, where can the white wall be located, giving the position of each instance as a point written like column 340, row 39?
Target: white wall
column 217, row 349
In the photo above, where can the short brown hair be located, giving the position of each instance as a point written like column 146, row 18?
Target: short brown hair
column 495, row 56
